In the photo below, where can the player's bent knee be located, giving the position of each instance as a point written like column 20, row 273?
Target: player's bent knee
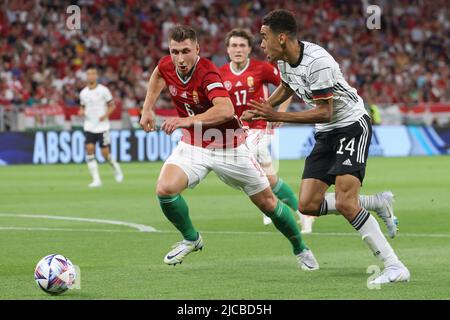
column 165, row 190
column 265, row 201
column 105, row 153
column 90, row 149
column 308, row 208
column 268, row 206
column 273, row 180
column 346, row 207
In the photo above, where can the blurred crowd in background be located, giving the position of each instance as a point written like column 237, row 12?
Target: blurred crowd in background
column 42, row 61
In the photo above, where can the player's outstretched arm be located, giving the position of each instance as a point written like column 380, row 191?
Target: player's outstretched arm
column 322, row 113
column 281, row 94
column 221, row 111
column 155, row 85
column 282, row 108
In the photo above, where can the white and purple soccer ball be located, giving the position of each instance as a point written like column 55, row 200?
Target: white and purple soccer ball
column 55, row 274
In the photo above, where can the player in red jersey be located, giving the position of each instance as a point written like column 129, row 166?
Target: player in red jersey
column 248, row 79
column 212, row 141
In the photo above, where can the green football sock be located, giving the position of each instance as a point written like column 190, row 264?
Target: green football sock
column 283, row 192
column 177, row 211
column 284, row 221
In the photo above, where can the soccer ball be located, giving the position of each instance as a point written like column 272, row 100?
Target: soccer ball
column 55, row 274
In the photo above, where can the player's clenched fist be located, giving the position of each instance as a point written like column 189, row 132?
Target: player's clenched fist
column 148, row 121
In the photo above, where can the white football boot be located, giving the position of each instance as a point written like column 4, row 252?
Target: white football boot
column 395, row 273
column 266, row 220
column 182, row 249
column 306, row 223
column 307, row 261
column 118, row 175
column 95, row 184
column 386, row 212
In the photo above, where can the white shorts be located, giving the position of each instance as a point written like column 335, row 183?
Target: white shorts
column 235, row 166
column 258, row 141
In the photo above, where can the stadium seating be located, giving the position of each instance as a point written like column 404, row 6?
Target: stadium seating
column 41, row 61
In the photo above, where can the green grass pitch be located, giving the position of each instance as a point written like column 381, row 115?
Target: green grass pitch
column 242, row 258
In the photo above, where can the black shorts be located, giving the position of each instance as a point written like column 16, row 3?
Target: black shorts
column 339, row 152
column 102, row 137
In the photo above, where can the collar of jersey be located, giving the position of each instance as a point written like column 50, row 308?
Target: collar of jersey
column 300, row 57
column 238, row 73
column 190, row 73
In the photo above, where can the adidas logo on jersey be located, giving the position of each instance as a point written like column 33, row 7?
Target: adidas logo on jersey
column 347, row 163
column 238, row 84
column 183, row 95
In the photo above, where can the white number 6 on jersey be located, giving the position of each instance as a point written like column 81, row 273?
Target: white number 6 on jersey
column 190, row 112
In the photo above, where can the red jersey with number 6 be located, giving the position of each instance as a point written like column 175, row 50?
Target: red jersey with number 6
column 249, row 83
column 194, row 95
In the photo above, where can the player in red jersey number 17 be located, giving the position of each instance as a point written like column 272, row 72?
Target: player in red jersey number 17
column 249, row 79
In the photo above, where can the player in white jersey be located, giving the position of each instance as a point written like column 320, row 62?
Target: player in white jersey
column 343, row 133
column 96, row 105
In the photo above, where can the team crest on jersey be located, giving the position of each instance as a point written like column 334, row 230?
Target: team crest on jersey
column 195, row 97
column 303, row 76
column 250, row 83
column 228, row 85
column 173, row 90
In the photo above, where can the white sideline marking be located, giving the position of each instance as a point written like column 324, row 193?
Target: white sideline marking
column 140, row 227
column 64, row 229
column 327, row 234
column 144, row 228
column 339, row 234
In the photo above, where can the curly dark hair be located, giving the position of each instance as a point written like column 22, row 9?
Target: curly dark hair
column 281, row 21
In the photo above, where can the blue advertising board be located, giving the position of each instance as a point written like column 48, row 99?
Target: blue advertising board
column 289, row 142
